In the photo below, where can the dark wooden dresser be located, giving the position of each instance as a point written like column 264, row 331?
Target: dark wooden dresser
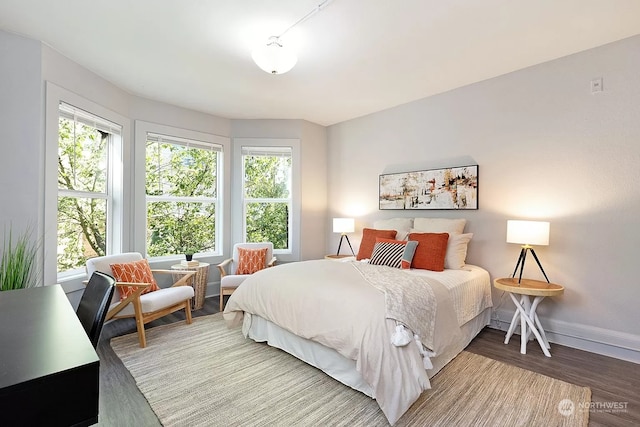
column 49, row 371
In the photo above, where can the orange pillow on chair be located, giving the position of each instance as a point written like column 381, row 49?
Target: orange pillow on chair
column 431, row 250
column 251, row 260
column 134, row 272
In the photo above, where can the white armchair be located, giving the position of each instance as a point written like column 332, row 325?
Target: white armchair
column 149, row 306
column 229, row 280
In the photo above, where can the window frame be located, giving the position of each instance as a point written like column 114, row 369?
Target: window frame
column 196, row 199
column 118, row 223
column 142, row 129
column 239, row 202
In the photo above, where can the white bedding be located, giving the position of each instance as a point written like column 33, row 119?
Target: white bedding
column 339, row 367
column 331, row 304
column 469, row 288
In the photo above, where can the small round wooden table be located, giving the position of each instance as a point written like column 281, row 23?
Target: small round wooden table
column 526, row 310
column 339, row 257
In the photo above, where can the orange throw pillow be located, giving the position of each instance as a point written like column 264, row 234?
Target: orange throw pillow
column 134, row 272
column 369, row 241
column 251, row 260
column 431, row 250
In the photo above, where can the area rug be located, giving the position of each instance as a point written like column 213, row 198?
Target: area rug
column 205, row 374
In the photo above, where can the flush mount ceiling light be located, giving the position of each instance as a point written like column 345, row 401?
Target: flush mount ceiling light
column 274, row 57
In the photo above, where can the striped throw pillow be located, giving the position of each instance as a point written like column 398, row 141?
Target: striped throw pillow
column 393, row 253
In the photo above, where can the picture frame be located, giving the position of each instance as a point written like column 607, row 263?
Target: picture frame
column 446, row 188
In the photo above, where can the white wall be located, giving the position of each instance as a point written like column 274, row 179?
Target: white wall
column 20, row 134
column 547, row 148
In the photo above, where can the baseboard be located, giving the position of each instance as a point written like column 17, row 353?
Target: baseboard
column 610, row 343
column 213, row 289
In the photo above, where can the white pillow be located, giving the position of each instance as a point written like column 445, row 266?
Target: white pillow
column 401, row 225
column 457, row 251
column 439, row 225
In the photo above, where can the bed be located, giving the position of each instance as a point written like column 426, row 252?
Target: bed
column 381, row 330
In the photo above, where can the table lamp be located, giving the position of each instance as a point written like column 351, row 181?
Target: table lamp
column 344, row 226
column 527, row 234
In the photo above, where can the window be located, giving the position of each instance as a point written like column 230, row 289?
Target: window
column 267, row 195
column 85, row 215
column 182, row 195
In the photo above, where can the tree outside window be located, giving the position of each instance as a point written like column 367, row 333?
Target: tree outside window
column 182, row 195
column 84, row 199
column 267, row 195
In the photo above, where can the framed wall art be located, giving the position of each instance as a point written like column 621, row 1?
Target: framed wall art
column 448, row 188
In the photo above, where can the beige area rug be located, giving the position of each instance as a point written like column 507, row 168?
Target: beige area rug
column 205, row 374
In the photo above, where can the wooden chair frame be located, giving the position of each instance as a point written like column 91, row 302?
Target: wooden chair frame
column 144, row 318
column 223, row 272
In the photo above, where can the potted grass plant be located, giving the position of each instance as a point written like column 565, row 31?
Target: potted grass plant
column 18, row 262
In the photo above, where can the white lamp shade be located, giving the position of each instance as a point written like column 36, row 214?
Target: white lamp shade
column 343, row 225
column 528, row 232
column 274, row 58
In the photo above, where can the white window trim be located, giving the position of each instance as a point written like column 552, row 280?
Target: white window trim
column 293, row 254
column 121, row 191
column 143, row 128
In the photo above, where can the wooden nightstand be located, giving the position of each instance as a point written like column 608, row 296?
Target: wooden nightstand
column 526, row 310
column 339, row 257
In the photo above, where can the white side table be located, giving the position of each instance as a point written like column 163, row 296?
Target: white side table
column 199, row 282
column 526, row 310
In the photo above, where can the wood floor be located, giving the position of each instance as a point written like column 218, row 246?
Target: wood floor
column 611, row 380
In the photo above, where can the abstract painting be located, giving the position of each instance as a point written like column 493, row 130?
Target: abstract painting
column 448, row 188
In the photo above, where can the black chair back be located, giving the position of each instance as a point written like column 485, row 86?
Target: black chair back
column 94, row 304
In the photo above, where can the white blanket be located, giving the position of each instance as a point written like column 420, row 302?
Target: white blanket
column 333, row 304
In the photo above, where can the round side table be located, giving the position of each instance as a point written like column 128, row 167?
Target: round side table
column 339, row 257
column 526, row 310
column 199, row 282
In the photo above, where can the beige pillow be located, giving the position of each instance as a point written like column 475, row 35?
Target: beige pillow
column 457, row 250
column 439, row 225
column 401, row 225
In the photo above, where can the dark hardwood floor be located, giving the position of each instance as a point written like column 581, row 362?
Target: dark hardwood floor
column 611, row 380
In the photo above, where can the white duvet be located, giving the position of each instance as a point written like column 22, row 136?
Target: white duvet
column 337, row 305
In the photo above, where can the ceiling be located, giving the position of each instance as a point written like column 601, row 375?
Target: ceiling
column 355, row 57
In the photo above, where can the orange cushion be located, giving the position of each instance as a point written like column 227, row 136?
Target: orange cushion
column 134, row 272
column 251, row 260
column 369, row 240
column 431, row 250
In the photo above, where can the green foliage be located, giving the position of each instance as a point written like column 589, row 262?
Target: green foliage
column 180, row 228
column 267, row 177
column 181, row 173
column 181, row 188
column 268, row 222
column 82, row 166
column 18, row 262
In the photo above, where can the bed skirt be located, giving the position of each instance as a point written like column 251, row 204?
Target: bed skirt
column 338, row 366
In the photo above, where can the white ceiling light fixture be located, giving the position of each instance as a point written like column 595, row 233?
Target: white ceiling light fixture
column 274, row 57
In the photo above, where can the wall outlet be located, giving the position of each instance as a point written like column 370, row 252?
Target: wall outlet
column 596, row 85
